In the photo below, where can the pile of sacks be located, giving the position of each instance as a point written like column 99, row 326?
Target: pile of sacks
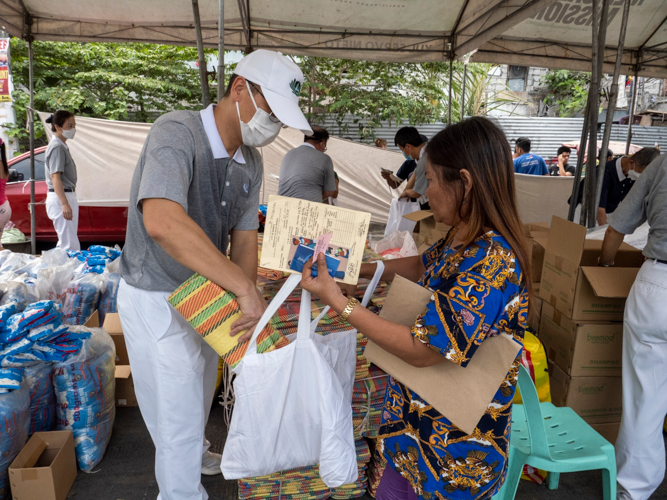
column 81, row 282
column 53, row 377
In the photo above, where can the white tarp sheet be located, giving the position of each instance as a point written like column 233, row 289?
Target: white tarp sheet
column 106, row 154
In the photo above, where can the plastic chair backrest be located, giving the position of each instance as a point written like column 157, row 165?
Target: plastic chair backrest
column 534, row 418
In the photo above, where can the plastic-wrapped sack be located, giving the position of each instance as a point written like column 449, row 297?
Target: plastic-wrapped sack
column 111, row 253
column 10, row 378
column 52, row 282
column 397, row 245
column 83, row 294
column 21, row 290
column 39, row 379
column 6, row 312
column 14, row 261
column 31, row 266
column 109, row 298
column 34, row 316
column 56, row 257
column 85, row 389
column 14, row 425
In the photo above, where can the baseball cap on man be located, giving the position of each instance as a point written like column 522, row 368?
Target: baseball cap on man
column 281, row 82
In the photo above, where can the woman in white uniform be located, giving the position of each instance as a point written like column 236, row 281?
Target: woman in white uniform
column 61, row 205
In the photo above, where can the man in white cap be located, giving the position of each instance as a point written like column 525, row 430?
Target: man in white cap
column 195, row 187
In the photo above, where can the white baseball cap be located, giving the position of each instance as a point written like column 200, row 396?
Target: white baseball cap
column 281, row 81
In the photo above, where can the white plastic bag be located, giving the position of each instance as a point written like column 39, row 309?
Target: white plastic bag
column 397, row 210
column 52, row 282
column 292, row 409
column 397, row 245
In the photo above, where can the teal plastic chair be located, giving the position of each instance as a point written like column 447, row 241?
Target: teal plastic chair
column 556, row 440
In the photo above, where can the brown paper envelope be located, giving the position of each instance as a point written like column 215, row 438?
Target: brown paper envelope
column 462, row 395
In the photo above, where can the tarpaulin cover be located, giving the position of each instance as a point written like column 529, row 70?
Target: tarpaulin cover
column 106, row 154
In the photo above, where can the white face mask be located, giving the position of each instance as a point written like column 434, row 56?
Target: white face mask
column 633, row 175
column 260, row 130
column 69, row 134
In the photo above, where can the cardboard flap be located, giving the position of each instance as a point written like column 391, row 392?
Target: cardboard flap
column 611, row 282
column 123, row 371
column 461, row 394
column 566, row 239
column 419, row 215
column 93, row 321
column 112, row 323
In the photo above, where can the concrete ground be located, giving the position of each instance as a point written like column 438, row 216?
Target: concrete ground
column 126, row 473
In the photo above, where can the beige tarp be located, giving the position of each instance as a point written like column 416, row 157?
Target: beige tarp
column 543, row 33
column 106, row 154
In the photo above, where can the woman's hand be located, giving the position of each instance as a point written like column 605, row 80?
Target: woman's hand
column 324, row 286
column 67, row 211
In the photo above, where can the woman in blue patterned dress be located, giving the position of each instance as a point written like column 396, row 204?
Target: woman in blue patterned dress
column 480, row 278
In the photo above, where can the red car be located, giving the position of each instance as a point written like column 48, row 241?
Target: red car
column 96, row 224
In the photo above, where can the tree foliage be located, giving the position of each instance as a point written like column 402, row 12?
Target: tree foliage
column 129, row 81
column 567, row 90
column 376, row 92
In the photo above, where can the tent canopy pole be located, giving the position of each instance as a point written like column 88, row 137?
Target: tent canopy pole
column 613, row 97
column 205, row 97
column 633, row 104
column 31, row 124
column 449, row 103
column 221, row 49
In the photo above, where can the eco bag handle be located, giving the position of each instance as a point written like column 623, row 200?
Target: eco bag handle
column 379, row 270
column 303, row 330
column 292, row 281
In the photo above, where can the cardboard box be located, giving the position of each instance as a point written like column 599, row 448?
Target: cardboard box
column 535, row 311
column 597, row 400
column 574, row 284
column 114, row 328
column 608, row 431
column 430, row 231
column 535, row 228
column 582, row 348
column 536, row 250
column 125, row 395
column 45, row 469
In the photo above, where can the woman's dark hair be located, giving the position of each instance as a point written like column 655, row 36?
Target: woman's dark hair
column 59, row 118
column 480, row 147
column 3, row 155
column 319, row 134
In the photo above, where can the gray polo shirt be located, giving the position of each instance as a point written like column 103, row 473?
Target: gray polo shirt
column 305, row 172
column 59, row 159
column 646, row 201
column 183, row 163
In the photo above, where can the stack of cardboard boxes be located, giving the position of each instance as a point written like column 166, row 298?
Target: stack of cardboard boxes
column 427, row 230
column 581, row 323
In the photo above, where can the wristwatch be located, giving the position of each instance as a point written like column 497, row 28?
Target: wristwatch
column 348, row 308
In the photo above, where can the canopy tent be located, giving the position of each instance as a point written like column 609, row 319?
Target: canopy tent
column 559, row 36
column 106, row 154
column 545, row 33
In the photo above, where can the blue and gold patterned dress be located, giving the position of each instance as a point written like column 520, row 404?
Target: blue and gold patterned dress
column 477, row 294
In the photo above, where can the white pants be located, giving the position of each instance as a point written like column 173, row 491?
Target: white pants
column 66, row 229
column 174, row 374
column 640, row 449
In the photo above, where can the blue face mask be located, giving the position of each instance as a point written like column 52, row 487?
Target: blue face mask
column 407, row 157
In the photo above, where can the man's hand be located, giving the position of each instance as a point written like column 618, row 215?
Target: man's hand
column 67, row 212
column 403, row 195
column 386, row 174
column 252, row 307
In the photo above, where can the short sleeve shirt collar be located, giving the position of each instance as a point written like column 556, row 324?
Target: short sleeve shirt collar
column 309, row 145
column 619, row 169
column 217, row 146
column 60, row 141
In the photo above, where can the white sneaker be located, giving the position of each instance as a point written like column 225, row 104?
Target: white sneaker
column 210, row 464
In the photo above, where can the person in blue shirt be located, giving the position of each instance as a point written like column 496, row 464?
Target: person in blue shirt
column 525, row 162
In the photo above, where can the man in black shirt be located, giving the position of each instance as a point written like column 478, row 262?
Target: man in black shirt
column 563, row 168
column 619, row 176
